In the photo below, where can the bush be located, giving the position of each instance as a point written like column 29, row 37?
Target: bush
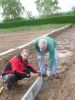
column 11, row 20
column 33, row 22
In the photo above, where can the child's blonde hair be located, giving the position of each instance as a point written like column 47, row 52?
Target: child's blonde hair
column 25, row 50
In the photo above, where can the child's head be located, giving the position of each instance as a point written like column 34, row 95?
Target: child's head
column 25, row 54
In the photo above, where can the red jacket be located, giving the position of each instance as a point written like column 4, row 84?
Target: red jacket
column 17, row 64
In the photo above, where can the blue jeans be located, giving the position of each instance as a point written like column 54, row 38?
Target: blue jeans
column 41, row 61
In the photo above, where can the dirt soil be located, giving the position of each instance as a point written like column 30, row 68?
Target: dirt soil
column 60, row 89
column 64, row 87
column 13, row 39
column 8, row 41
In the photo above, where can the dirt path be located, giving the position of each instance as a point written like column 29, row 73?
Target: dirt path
column 55, row 89
column 67, row 89
column 13, row 39
column 64, row 88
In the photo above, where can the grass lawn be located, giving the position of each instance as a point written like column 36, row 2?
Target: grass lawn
column 46, row 26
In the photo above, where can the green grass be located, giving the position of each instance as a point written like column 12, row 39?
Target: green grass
column 60, row 19
column 38, row 27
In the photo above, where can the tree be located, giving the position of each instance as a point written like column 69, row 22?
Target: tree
column 29, row 15
column 12, row 9
column 73, row 9
column 47, row 7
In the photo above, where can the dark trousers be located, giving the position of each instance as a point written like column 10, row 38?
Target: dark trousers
column 10, row 80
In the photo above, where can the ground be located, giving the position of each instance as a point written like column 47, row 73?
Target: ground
column 61, row 89
column 15, row 39
column 12, row 38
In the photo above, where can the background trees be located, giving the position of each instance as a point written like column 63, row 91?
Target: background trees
column 47, row 7
column 12, row 9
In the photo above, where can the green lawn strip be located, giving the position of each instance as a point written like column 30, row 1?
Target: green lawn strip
column 23, row 28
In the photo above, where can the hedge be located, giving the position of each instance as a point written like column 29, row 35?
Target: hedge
column 34, row 22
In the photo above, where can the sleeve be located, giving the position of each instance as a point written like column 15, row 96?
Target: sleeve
column 19, row 74
column 29, row 66
column 16, row 67
column 36, row 45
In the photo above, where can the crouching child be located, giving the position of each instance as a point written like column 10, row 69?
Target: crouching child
column 17, row 68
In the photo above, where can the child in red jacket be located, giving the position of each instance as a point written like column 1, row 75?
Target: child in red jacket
column 17, row 68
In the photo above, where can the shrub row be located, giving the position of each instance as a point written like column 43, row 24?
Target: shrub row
column 33, row 22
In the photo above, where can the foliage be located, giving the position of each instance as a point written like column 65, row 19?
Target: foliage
column 12, row 9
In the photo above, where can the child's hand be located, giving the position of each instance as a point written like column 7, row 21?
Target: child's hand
column 28, row 75
column 39, row 73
